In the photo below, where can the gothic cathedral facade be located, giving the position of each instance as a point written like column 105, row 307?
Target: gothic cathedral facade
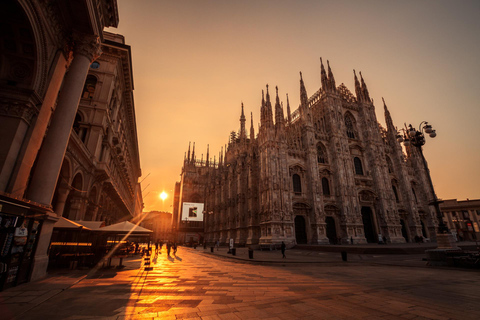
column 326, row 173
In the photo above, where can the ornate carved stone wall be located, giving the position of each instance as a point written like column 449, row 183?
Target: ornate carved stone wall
column 326, row 173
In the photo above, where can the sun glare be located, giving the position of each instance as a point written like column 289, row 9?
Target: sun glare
column 163, row 195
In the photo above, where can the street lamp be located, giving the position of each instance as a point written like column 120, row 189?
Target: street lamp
column 416, row 138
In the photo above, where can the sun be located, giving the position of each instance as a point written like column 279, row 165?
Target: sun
column 163, row 195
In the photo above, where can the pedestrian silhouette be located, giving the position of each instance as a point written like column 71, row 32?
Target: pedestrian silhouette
column 169, row 247
column 283, row 247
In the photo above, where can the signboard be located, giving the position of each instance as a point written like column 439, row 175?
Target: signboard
column 192, row 211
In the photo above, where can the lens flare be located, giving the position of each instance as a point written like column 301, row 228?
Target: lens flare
column 163, row 195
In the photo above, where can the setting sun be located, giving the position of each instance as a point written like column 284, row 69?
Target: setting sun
column 163, row 195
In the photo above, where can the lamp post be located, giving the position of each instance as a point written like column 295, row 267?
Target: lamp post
column 416, row 138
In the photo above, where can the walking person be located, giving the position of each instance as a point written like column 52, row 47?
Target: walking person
column 283, row 247
column 174, row 248
column 169, row 247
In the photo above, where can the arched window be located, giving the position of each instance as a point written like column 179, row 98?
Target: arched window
column 80, row 130
column 396, row 193
column 389, row 165
column 321, row 154
column 325, row 187
column 76, row 123
column 297, row 184
column 89, row 87
column 349, row 124
column 414, row 195
column 358, row 166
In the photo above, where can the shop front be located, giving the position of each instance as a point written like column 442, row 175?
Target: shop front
column 20, row 226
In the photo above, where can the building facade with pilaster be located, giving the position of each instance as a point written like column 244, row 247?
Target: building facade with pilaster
column 327, row 172
column 68, row 138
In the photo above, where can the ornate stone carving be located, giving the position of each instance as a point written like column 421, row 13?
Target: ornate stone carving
column 87, row 45
column 19, row 109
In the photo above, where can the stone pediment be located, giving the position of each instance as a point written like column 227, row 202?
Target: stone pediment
column 345, row 94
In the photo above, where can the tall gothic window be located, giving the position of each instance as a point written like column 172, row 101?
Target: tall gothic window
column 414, row 195
column 396, row 193
column 321, row 154
column 389, row 165
column 358, row 166
column 297, row 184
column 89, row 87
column 325, row 187
column 349, row 124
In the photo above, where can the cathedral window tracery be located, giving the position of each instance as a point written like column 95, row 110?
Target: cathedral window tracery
column 390, row 165
column 397, row 199
column 350, row 126
column 321, row 154
column 325, row 186
column 358, row 166
column 297, row 183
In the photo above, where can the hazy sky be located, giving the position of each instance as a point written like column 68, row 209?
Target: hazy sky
column 194, row 62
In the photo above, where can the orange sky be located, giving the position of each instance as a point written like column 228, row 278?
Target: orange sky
column 195, row 61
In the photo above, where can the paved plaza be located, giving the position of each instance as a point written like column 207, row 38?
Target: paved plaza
column 196, row 284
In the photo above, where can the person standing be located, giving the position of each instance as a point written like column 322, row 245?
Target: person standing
column 169, row 247
column 283, row 247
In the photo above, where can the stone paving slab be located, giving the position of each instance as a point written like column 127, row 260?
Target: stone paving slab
column 199, row 285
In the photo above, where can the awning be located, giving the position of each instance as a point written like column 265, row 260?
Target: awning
column 125, row 227
column 92, row 225
column 64, row 223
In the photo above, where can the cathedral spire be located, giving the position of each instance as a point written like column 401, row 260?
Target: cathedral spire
column 289, row 114
column 279, row 117
column 364, row 89
column 207, row 162
column 225, row 157
column 193, row 153
column 252, row 130
column 243, row 134
column 358, row 89
column 303, row 93
column 331, row 79
column 268, row 110
column 262, row 110
column 188, row 158
column 388, row 118
column 220, row 157
column 323, row 76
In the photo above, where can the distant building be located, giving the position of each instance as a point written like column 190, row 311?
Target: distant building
column 189, row 193
column 160, row 223
column 54, row 80
column 327, row 172
column 462, row 218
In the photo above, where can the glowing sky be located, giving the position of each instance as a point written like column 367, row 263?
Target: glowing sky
column 194, row 62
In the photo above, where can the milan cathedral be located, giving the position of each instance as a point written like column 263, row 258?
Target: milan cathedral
column 327, row 172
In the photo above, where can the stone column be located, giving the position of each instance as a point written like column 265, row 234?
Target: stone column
column 63, row 192
column 50, row 158
column 51, row 155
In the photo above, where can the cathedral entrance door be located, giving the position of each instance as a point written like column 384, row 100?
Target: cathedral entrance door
column 404, row 230
column 331, row 230
column 368, row 227
column 300, row 230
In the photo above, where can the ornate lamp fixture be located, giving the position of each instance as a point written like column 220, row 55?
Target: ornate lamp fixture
column 416, row 138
